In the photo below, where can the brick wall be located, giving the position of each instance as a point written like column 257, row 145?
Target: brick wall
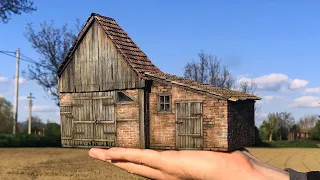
column 128, row 128
column 240, row 124
column 162, row 125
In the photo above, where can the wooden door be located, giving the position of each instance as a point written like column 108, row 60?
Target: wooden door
column 104, row 119
column 189, row 131
column 66, row 125
column 82, row 123
column 94, row 119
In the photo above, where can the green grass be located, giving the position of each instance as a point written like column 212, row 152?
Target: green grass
column 290, row 144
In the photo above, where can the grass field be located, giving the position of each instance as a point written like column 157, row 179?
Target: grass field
column 63, row 163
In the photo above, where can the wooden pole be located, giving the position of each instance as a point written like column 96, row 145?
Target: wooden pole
column 15, row 106
column 30, row 113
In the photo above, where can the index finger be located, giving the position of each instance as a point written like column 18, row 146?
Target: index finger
column 145, row 157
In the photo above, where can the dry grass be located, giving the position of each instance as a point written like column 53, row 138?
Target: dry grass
column 300, row 159
column 56, row 163
column 65, row 163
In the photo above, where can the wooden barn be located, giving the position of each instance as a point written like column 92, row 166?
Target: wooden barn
column 111, row 94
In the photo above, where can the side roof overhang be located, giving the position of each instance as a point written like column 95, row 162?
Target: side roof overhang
column 210, row 90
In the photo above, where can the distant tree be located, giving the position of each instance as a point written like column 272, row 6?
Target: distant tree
column 52, row 129
column 248, row 87
column 52, row 44
column 285, row 122
column 295, row 128
column 36, row 124
column 6, row 116
column 209, row 71
column 315, row 131
column 269, row 126
column 308, row 122
column 10, row 7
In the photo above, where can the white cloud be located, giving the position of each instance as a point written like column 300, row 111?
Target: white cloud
column 261, row 115
column 275, row 82
column 43, row 108
column 22, row 98
column 269, row 98
column 312, row 90
column 22, row 80
column 306, row 101
column 242, row 76
column 297, row 83
column 3, row 79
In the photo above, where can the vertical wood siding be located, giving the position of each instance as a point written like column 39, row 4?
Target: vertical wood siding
column 97, row 66
column 66, row 125
column 89, row 120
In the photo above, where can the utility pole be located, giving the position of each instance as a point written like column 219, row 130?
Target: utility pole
column 15, row 108
column 30, row 112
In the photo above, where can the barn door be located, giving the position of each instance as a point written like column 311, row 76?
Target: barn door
column 104, row 119
column 66, row 125
column 189, row 132
column 94, row 119
column 82, row 119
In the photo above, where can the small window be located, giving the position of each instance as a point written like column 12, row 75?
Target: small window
column 164, row 103
column 122, row 98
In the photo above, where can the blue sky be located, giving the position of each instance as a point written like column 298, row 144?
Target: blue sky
column 274, row 43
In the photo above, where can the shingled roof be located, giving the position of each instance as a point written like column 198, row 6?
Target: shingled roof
column 224, row 93
column 142, row 64
column 127, row 48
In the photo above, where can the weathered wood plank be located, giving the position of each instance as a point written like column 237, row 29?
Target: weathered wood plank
column 124, row 120
column 141, row 117
column 189, row 125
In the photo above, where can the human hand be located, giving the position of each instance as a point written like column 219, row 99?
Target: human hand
column 189, row 164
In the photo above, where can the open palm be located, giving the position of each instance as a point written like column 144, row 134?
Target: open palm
column 188, row 164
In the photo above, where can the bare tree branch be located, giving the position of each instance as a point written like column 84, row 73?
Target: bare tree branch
column 209, row 71
column 10, row 7
column 52, row 44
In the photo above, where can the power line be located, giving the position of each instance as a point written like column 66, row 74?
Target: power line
column 7, row 51
column 23, row 59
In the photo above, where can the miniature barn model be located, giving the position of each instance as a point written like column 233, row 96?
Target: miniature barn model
column 112, row 95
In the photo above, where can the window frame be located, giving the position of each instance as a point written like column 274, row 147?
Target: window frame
column 164, row 103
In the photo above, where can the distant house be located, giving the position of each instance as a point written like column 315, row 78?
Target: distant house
column 303, row 135
column 111, row 94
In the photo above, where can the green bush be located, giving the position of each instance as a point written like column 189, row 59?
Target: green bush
column 25, row 140
column 315, row 132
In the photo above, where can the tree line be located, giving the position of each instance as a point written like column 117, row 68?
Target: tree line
column 38, row 126
column 278, row 125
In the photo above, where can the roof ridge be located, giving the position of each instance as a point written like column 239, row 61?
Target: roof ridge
column 96, row 14
column 123, row 43
column 197, row 85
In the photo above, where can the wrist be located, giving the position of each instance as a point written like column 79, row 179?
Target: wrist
column 265, row 171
